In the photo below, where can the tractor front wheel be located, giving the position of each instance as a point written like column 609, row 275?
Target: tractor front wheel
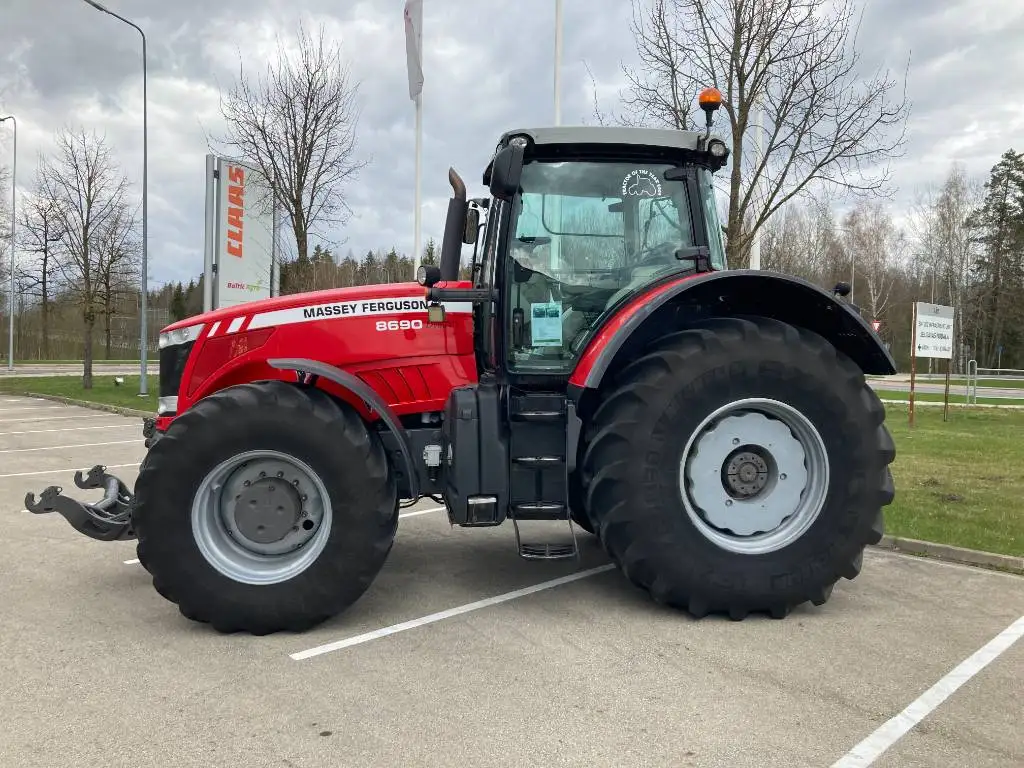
column 739, row 466
column 265, row 507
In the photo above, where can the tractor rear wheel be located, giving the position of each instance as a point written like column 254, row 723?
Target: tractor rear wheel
column 739, row 466
column 265, row 507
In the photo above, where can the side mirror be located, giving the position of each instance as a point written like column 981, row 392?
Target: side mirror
column 472, row 225
column 506, row 170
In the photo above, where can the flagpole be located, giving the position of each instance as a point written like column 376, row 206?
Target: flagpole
column 413, row 13
column 558, row 62
column 419, row 173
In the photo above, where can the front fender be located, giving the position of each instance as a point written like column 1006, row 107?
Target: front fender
column 789, row 299
column 373, row 402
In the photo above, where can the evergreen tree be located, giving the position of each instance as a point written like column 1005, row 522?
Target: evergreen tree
column 430, row 253
column 178, row 310
column 1000, row 267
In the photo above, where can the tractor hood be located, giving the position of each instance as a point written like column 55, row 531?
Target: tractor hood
column 225, row 315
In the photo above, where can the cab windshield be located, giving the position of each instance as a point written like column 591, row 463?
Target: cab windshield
column 583, row 236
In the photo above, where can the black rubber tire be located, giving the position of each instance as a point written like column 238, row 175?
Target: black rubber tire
column 303, row 422
column 577, row 505
column 634, row 445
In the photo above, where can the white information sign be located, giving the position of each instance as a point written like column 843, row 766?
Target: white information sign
column 933, row 331
column 241, row 263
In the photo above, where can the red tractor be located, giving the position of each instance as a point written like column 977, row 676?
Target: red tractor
column 601, row 367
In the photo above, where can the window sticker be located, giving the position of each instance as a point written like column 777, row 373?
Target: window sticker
column 546, row 324
column 641, row 183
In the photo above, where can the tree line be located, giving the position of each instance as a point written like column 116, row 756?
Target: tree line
column 962, row 245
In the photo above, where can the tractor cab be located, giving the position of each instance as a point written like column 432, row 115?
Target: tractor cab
column 580, row 221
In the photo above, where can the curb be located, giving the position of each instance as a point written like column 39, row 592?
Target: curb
column 118, row 409
column 953, row 554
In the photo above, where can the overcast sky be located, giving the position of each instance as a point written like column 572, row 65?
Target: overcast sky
column 488, row 67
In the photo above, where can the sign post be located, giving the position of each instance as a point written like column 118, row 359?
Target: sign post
column 241, row 224
column 932, row 337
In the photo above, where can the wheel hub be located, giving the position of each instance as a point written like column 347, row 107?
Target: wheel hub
column 261, row 517
column 746, row 474
column 754, row 475
column 268, row 510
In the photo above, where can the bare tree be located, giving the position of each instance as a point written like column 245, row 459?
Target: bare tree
column 117, row 264
column 39, row 246
column 946, row 251
column 876, row 248
column 825, row 124
column 87, row 191
column 297, row 124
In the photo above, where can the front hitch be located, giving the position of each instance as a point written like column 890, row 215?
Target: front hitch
column 107, row 520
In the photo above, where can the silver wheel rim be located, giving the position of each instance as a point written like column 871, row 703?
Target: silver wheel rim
column 261, row 517
column 754, row 476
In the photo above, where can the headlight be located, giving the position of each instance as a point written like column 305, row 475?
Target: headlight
column 180, row 335
column 717, row 148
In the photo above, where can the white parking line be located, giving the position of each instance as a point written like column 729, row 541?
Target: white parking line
column 37, row 408
column 414, row 513
column 417, row 512
column 60, row 447
column 447, row 614
column 70, row 429
column 64, row 470
column 59, row 418
column 871, row 748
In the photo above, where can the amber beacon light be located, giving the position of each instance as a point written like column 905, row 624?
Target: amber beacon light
column 710, row 99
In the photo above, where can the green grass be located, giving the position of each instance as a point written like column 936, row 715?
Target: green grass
column 958, row 482
column 103, row 389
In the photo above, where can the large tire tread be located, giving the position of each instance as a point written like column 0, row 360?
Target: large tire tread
column 341, row 574
column 680, row 369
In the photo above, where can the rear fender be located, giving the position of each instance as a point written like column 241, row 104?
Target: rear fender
column 374, row 403
column 729, row 293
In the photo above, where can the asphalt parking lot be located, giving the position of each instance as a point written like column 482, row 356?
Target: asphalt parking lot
column 911, row 664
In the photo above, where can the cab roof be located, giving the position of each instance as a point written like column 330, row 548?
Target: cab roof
column 598, row 134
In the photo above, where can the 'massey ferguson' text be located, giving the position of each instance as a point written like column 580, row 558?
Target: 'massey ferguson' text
column 381, row 307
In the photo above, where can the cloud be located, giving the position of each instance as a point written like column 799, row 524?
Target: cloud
column 488, row 68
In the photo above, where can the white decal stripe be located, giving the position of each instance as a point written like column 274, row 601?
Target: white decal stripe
column 236, row 324
column 394, row 305
column 213, row 330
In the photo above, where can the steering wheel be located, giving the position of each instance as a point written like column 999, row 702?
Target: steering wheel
column 659, row 254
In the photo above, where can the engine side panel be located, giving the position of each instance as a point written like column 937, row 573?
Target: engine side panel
column 379, row 333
